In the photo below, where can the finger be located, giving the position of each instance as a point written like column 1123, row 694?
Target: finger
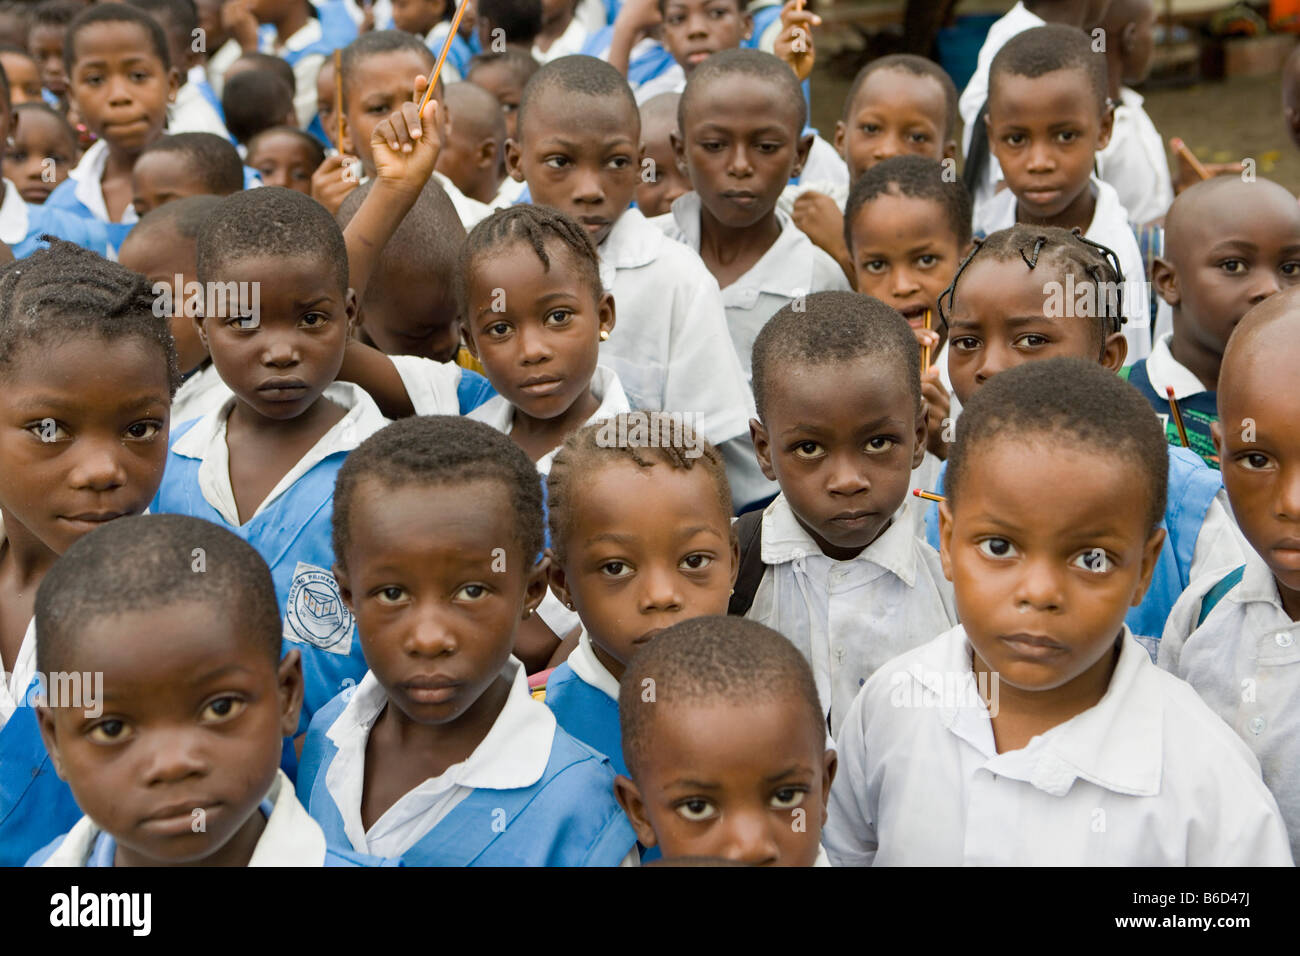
column 411, row 120
column 384, row 133
column 431, row 120
column 421, row 84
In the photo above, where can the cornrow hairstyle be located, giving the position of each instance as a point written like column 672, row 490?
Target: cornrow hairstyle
column 668, row 440
column 534, row 226
column 705, row 660
column 376, row 43
column 1050, row 48
column 520, row 20
column 271, row 223
column 254, row 101
column 143, row 562
column 436, row 451
column 114, row 13
column 751, row 63
column 315, row 149
column 584, row 75
column 833, row 327
column 518, row 60
column 916, row 177
column 916, row 66
column 64, row 291
column 45, row 110
column 1069, row 252
column 1066, row 401
column 212, row 159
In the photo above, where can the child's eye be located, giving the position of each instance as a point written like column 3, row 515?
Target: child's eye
column 108, row 732
column 711, row 146
column 875, row 266
column 787, row 798
column 920, row 138
column 997, row 548
column 1233, row 266
column 1095, row 560
column 223, row 708
column 1033, row 340
column 1253, row 461
column 48, row 430
column 1067, row 136
column 880, row 443
column 769, row 147
column 140, row 76
column 1290, row 268
column 620, row 162
column 143, row 431
column 1014, row 139
column 695, row 809
column 314, row 320
column 807, row 449
column 497, row 329
column 472, row 592
column 696, row 562
column 390, row 595
column 378, row 109
column 965, row 343
column 871, row 129
column 18, row 156
column 556, row 162
column 616, row 569
column 242, row 322
column 927, row 260
column 558, row 316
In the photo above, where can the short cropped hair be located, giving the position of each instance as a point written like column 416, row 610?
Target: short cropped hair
column 43, row 108
column 441, row 450
column 585, row 75
column 55, row 13
column 1066, row 400
column 673, row 442
column 308, row 140
column 268, row 64
column 114, row 13
column 916, row 177
column 917, row 66
column 186, row 217
column 709, row 659
column 833, row 327
column 253, row 101
column 753, row 63
column 211, row 158
column 271, row 223
column 517, row 60
column 1047, row 49
column 144, row 562
column 376, row 43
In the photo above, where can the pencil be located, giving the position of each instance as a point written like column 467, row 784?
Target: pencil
column 925, row 350
column 1178, row 416
column 442, row 57
column 928, row 496
column 1181, row 149
column 338, row 94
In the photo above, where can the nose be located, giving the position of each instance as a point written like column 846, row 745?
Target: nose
column 1267, row 284
column 98, row 466
column 846, row 477
column 534, row 344
column 588, row 190
column 279, row 351
column 277, row 178
column 739, row 164
column 659, row 590
column 119, row 91
column 887, row 146
column 905, row 284
column 173, row 756
column 696, row 27
column 1041, row 159
column 994, row 361
column 1039, row 585
column 1287, row 507
column 428, row 635
column 750, row 837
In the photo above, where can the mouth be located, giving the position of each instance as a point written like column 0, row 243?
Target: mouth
column 541, row 384
column 593, row 224
column 1287, row 553
column 1041, row 197
column 648, row 636
column 127, row 126
column 915, row 315
column 177, row 819
column 433, row 689
column 853, row 520
column 1037, row 646
column 696, row 57
column 89, row 520
column 282, row 389
column 740, row 197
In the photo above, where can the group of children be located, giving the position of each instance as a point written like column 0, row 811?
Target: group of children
column 524, row 472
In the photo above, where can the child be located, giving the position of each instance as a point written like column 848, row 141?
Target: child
column 515, row 22
column 836, row 563
column 254, row 101
column 44, row 150
column 728, row 759
column 430, row 20
column 504, row 75
column 326, row 123
column 662, row 183
column 186, row 164
column 440, row 755
column 285, row 156
column 45, row 38
column 200, row 700
column 578, row 148
column 563, row 32
column 88, row 373
column 1228, row 246
column 24, row 75
column 163, row 247
column 476, row 138
column 1048, row 114
column 1232, row 637
column 631, row 572
column 15, row 21
column 195, row 109
column 692, row 31
column 121, row 80
column 303, row 39
column 1037, row 732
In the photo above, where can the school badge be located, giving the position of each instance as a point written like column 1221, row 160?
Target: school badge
column 315, row 613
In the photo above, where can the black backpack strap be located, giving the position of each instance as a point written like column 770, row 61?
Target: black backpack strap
column 749, row 529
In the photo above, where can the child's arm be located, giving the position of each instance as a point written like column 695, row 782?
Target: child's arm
column 630, row 25
column 794, row 45
column 821, row 220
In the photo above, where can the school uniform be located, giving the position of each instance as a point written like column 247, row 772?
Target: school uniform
column 529, row 794
column 290, row 838
column 290, row 529
column 22, row 224
column 583, row 695
column 441, row 388
column 647, row 60
column 1148, row 776
column 82, row 194
column 790, row 268
column 1110, row 227
column 508, row 193
column 456, row 66
column 671, row 80
column 470, row 211
column 304, row 50
column 1134, row 162
column 1199, row 406
column 196, row 108
column 824, row 172
column 202, row 392
column 849, row 617
column 569, row 42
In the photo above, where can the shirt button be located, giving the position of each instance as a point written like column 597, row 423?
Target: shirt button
column 1256, row 725
column 1285, row 639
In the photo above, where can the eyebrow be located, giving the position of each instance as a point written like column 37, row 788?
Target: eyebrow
column 218, row 672
column 60, row 404
column 694, row 784
column 306, row 303
column 789, row 771
column 556, row 142
column 1015, row 322
column 885, row 421
column 617, row 538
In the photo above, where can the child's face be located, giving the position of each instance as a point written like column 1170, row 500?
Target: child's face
column 325, row 93
column 1047, row 551
column 189, row 741
column 41, row 157
column 655, row 196
column 693, row 30
column 436, row 606
column 633, row 571
column 537, row 332
column 1138, row 46
column 161, row 254
column 842, row 440
column 503, row 83
column 45, row 44
column 740, row 143
column 24, row 78
column 999, row 320
column 280, row 360
column 83, row 438
column 1044, row 131
column 752, row 789
column 283, row 159
column 581, row 155
column 417, row 16
column 161, row 176
column 379, row 84
column 404, row 315
column 905, row 254
column 120, row 87
column 895, row 113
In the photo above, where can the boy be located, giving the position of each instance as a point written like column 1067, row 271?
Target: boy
column 50, row 19
column 1038, row 731
column 671, row 349
column 840, row 426
column 1233, row 637
column 44, row 150
column 23, row 73
column 739, row 140
column 285, row 156
column 476, row 137
column 440, row 754
column 1229, row 245
column 504, row 75
column 1048, row 114
column 692, row 31
column 515, row 22
column 753, row 788
column 662, row 182
column 182, row 769
column 186, row 164
column 303, row 39
column 196, row 108
column 256, row 100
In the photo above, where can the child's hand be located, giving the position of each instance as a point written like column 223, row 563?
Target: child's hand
column 938, row 406
column 237, row 19
column 367, row 19
column 820, row 219
column 406, row 145
column 795, row 43
column 1187, row 176
column 333, row 180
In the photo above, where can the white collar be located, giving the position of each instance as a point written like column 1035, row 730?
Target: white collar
column 786, row 540
column 1000, row 213
column 1164, row 370
column 14, row 217
column 470, row 211
column 588, row 668
column 13, row 686
column 304, row 36
column 632, row 242
column 89, row 177
column 1257, row 585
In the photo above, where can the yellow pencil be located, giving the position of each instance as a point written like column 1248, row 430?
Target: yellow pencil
column 1181, row 149
column 338, row 94
column 928, row 496
column 1178, row 416
column 925, row 350
column 446, row 48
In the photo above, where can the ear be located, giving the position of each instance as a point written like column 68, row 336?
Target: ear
column 1107, row 127
column 950, row 149
column 605, row 311
column 762, row 448
column 345, row 146
column 1150, row 555
column 830, row 763
column 1165, row 277
column 352, row 309
column 748, row 22
column 537, row 585
column 945, row 539
column 801, row 157
column 289, row 678
column 678, row 143
column 1114, row 352
column 1216, row 436
column 173, row 84
column 629, row 798
column 922, row 435
column 50, row 734
column 1126, row 36
column 841, row 138
column 486, row 155
column 345, row 592
column 559, row 582
column 514, row 160
column 203, row 335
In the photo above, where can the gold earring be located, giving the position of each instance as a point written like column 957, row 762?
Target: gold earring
column 528, row 612
column 604, row 335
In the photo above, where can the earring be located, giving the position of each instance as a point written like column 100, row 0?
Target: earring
column 604, row 335
column 528, row 612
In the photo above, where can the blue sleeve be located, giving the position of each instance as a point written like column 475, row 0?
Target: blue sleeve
column 44, row 853
column 473, row 390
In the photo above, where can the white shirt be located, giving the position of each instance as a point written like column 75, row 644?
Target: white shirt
column 431, row 386
column 791, row 267
column 1164, row 370
column 305, row 70
column 588, row 668
column 849, row 617
column 825, row 172
column 1134, row 161
column 290, row 838
column 14, row 217
column 569, row 42
column 202, row 392
column 1244, row 661
column 1149, row 776
column 220, row 61
column 513, row 755
column 1110, row 227
column 507, row 193
column 191, row 112
column 88, row 174
column 13, row 685
column 470, row 211
column 207, row 442
column 671, row 80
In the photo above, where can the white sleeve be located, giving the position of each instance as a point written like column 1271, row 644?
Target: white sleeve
column 1219, row 545
column 304, row 98
column 430, row 385
column 849, row 835
column 1181, row 623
